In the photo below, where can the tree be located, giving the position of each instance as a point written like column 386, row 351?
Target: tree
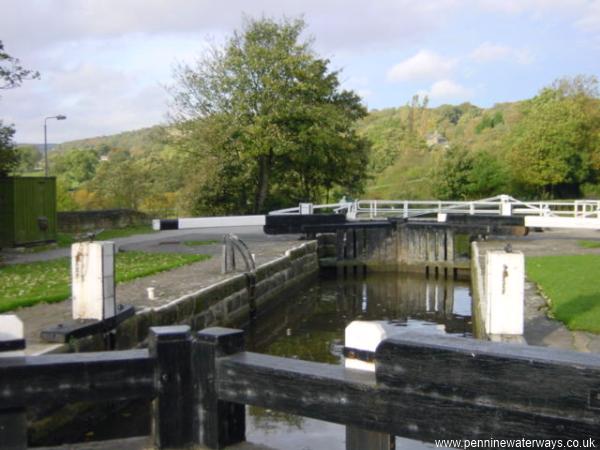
column 119, row 182
column 12, row 75
column 9, row 159
column 29, row 156
column 268, row 122
column 467, row 176
column 76, row 166
column 556, row 145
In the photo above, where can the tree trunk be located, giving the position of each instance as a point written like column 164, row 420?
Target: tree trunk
column 264, row 168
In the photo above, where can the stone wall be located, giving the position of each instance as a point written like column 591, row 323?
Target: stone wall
column 80, row 221
column 227, row 303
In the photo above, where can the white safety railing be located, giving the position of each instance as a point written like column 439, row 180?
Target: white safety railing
column 502, row 205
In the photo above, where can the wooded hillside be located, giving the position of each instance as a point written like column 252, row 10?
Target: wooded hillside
column 547, row 146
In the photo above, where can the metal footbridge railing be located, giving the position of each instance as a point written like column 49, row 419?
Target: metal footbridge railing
column 558, row 214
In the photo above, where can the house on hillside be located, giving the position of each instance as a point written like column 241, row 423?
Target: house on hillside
column 437, row 139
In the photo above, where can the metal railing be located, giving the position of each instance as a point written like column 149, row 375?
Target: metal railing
column 502, row 205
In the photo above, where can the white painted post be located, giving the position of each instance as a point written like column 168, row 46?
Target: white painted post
column 366, row 336
column 505, row 286
column 505, row 206
column 363, row 336
column 306, row 208
column 11, row 332
column 93, row 276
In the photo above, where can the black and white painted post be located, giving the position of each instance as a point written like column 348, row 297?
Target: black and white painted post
column 189, row 223
column 361, row 339
column 13, row 422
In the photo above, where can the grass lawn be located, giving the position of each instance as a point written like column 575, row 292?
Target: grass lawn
column 571, row 282
column 589, row 244
column 49, row 281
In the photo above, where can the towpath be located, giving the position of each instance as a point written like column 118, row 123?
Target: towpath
column 169, row 285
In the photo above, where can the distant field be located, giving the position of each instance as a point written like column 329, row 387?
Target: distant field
column 49, row 281
column 571, row 284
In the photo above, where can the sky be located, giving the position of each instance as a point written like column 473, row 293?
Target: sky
column 107, row 64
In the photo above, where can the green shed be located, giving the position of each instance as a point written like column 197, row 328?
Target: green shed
column 27, row 210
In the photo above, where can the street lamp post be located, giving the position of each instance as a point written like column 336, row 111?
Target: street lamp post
column 59, row 117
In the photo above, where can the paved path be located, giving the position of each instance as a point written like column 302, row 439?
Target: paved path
column 167, row 241
column 539, row 329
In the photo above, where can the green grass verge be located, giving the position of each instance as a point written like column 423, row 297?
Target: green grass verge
column 197, row 243
column 570, row 282
column 589, row 244
column 49, row 281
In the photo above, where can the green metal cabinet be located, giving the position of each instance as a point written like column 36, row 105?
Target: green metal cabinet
column 27, row 210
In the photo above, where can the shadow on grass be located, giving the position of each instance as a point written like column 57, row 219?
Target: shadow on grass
column 580, row 313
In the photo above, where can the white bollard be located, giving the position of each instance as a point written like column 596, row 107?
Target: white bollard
column 365, row 336
column 505, row 287
column 151, row 293
column 93, row 277
column 12, row 334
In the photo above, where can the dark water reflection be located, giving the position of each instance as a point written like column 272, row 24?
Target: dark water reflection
column 310, row 325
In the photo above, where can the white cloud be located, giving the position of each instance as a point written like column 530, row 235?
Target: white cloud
column 384, row 23
column 425, row 65
column 535, row 7
column 591, row 21
column 448, row 90
column 488, row 52
column 584, row 14
column 95, row 99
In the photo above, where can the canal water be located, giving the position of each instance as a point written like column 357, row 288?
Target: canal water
column 307, row 324
column 310, row 323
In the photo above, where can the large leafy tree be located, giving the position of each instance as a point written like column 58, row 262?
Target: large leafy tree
column 9, row 158
column 556, row 145
column 468, row 175
column 76, row 166
column 12, row 75
column 268, row 123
